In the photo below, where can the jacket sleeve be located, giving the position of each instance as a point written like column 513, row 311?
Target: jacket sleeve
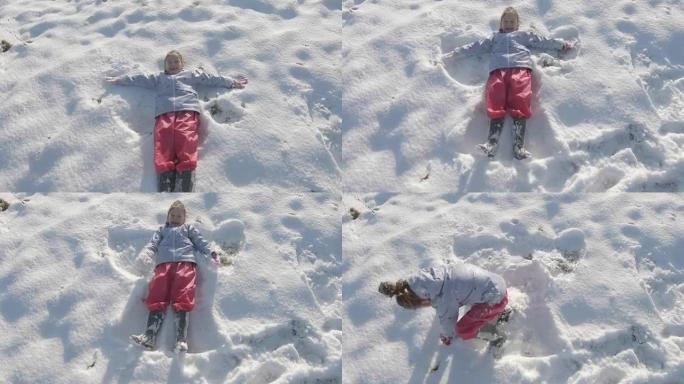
column 145, row 80
column 200, row 77
column 476, row 48
column 447, row 319
column 151, row 247
column 534, row 40
column 198, row 241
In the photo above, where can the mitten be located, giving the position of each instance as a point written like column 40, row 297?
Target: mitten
column 445, row 340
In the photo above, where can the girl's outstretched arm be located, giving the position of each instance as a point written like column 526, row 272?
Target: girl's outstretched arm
column 475, row 48
column 198, row 241
column 534, row 40
column 151, row 247
column 202, row 78
column 144, row 80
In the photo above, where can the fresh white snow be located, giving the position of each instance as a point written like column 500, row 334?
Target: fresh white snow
column 349, row 110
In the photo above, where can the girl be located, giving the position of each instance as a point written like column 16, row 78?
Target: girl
column 509, row 87
column 446, row 288
column 177, row 110
column 174, row 278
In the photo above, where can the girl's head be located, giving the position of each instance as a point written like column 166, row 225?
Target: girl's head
column 173, row 62
column 405, row 296
column 176, row 214
column 510, row 21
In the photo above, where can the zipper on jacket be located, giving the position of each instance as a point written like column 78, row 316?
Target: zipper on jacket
column 175, row 233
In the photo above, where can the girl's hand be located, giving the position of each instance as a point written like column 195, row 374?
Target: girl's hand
column 215, row 258
column 240, row 82
column 445, row 340
column 568, row 46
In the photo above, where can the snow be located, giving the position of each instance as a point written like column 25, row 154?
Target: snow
column 72, row 291
column 64, row 129
column 350, row 158
column 596, row 282
column 606, row 117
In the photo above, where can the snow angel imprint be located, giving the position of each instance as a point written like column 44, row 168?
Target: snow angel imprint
column 172, row 251
column 509, row 87
column 448, row 287
column 177, row 110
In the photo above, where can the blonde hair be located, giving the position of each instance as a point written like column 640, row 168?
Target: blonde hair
column 510, row 11
column 176, row 204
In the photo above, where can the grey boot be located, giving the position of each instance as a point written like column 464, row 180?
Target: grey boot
column 185, row 181
column 167, row 181
column 495, row 128
column 154, row 323
column 519, row 152
column 181, row 331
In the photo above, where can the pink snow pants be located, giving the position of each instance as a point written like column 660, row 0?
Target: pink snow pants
column 509, row 89
column 173, row 283
column 478, row 315
column 175, row 141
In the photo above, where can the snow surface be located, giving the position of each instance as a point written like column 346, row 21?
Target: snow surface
column 72, row 295
column 64, row 129
column 607, row 117
column 596, row 281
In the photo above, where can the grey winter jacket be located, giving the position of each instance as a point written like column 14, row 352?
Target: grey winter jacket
column 509, row 50
column 173, row 244
column 175, row 92
column 450, row 286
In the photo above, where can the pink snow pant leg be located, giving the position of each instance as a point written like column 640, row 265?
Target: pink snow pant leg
column 175, row 141
column 173, row 283
column 478, row 315
column 509, row 89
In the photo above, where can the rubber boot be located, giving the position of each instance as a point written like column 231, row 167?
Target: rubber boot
column 185, row 181
column 181, row 331
column 519, row 151
column 495, row 128
column 154, row 323
column 167, row 181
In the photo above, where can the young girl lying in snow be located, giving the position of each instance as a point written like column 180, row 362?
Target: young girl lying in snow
column 446, row 288
column 177, row 110
column 509, row 87
column 172, row 251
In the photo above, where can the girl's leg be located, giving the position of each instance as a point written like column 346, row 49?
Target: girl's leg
column 158, row 297
column 478, row 315
column 183, row 287
column 186, row 140
column 182, row 331
column 520, row 93
column 163, row 143
column 496, row 94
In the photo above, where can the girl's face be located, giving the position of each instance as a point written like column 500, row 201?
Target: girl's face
column 509, row 22
column 173, row 64
column 176, row 217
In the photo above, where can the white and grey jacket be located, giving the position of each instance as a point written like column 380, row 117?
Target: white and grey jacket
column 511, row 49
column 175, row 92
column 176, row 243
column 451, row 286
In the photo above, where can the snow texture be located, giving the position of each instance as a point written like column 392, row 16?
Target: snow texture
column 64, row 129
column 608, row 116
column 72, row 294
column 596, row 281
